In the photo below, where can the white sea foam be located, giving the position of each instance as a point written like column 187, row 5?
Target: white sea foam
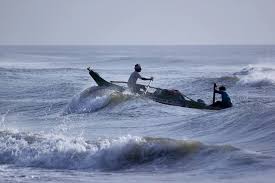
column 257, row 75
column 95, row 98
column 62, row 152
column 89, row 100
column 58, row 151
column 88, row 105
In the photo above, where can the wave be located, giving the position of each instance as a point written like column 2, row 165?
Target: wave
column 93, row 99
column 40, row 70
column 60, row 152
column 249, row 125
column 257, row 75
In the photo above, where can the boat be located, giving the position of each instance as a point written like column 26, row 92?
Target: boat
column 163, row 96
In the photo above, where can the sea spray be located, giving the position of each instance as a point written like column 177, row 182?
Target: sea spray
column 89, row 100
column 257, row 75
column 95, row 98
column 62, row 152
column 3, row 119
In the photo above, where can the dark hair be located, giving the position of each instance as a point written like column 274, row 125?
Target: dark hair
column 222, row 88
column 137, row 68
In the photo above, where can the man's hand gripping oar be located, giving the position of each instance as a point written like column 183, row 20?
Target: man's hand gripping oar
column 214, row 93
column 148, row 86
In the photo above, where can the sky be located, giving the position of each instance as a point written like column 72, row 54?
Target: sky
column 136, row 22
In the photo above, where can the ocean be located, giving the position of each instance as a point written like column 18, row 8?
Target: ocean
column 57, row 125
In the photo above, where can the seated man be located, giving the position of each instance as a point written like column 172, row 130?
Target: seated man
column 132, row 81
column 226, row 101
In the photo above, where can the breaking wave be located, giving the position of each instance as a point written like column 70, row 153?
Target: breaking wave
column 60, row 152
column 93, row 99
column 257, row 75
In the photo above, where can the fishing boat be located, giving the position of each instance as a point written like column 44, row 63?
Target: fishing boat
column 163, row 96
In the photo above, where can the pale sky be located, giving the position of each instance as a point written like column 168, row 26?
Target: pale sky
column 135, row 22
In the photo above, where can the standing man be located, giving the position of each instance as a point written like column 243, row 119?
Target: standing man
column 132, row 81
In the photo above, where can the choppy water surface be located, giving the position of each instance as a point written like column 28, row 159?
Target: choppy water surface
column 56, row 125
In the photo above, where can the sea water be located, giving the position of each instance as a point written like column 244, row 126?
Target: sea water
column 56, row 125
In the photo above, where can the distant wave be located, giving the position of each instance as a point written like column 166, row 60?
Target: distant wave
column 252, row 75
column 257, row 75
column 27, row 70
column 60, row 152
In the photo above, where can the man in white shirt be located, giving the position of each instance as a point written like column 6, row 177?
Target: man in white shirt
column 132, row 81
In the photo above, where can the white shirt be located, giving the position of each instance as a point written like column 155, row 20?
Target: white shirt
column 133, row 79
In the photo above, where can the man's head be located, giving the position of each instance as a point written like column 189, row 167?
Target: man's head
column 137, row 68
column 222, row 88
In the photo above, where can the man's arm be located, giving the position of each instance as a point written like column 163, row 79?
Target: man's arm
column 217, row 91
column 142, row 78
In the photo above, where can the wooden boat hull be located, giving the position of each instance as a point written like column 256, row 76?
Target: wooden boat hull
column 163, row 96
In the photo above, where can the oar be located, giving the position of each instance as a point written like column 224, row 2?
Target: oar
column 214, row 93
column 188, row 97
column 147, row 87
column 119, row 82
column 155, row 88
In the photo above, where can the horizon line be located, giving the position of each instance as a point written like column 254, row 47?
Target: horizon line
column 137, row 44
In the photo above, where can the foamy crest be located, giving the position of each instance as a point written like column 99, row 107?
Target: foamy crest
column 60, row 152
column 90, row 100
column 257, row 75
column 89, row 105
column 57, row 151
column 95, row 98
